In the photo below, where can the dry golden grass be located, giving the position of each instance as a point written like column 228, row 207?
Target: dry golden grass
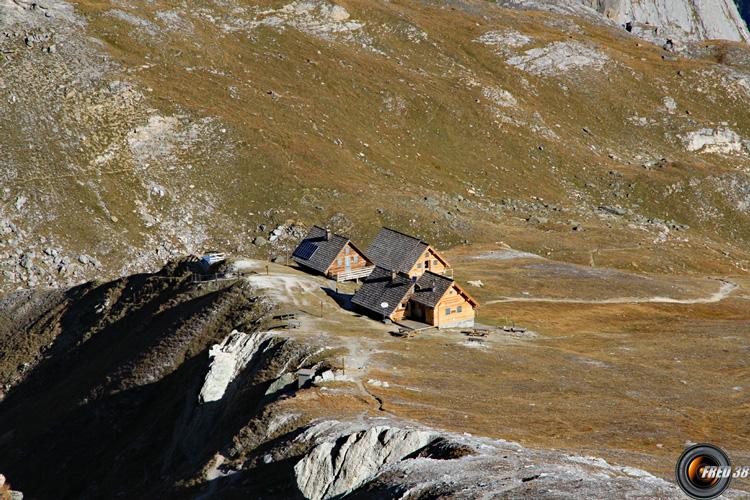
column 628, row 382
column 295, row 94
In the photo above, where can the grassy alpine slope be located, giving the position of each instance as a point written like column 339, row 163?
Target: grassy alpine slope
column 134, row 131
column 152, row 130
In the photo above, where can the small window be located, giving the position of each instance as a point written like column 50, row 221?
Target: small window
column 447, row 311
column 434, row 262
column 459, row 309
column 346, row 250
column 420, row 265
column 341, row 262
column 356, row 259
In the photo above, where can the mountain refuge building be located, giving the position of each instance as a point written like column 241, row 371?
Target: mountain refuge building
column 332, row 255
column 405, row 254
column 404, row 277
column 431, row 298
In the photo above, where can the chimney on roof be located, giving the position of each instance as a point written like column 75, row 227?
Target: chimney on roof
column 328, row 233
column 393, row 275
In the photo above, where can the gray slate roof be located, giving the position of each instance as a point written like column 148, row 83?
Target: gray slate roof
column 430, row 288
column 378, row 288
column 316, row 252
column 394, row 250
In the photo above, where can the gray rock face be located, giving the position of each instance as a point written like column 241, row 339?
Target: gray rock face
column 613, row 210
column 337, row 466
column 682, row 19
column 559, row 58
column 708, row 140
column 387, row 458
column 656, row 20
column 227, row 360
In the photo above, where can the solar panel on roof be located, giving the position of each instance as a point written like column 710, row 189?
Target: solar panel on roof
column 306, row 250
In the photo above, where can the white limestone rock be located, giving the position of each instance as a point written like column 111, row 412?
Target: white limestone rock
column 564, row 7
column 140, row 23
column 389, row 458
column 708, row 140
column 338, row 13
column 670, row 104
column 680, row 19
column 27, row 13
column 499, row 97
column 314, row 17
column 501, row 40
column 672, row 19
column 323, row 473
column 228, row 359
column 559, row 58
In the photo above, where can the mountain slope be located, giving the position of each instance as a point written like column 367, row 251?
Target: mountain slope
column 137, row 132
column 111, row 399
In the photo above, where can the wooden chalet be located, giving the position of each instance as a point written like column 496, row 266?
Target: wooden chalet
column 406, row 254
column 431, row 298
column 332, row 255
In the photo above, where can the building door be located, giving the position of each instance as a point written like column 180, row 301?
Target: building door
column 419, row 313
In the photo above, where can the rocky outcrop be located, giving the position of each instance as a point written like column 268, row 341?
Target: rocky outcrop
column 394, row 459
column 227, row 360
column 559, row 58
column 683, row 19
column 339, row 464
column 721, row 140
column 315, row 17
column 656, row 20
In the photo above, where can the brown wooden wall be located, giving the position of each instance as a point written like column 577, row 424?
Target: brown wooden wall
column 400, row 312
column 430, row 317
column 336, row 268
column 435, row 264
column 453, row 299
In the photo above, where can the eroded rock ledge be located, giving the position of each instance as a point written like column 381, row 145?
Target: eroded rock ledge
column 384, row 457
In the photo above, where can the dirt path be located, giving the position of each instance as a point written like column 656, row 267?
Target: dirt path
column 725, row 290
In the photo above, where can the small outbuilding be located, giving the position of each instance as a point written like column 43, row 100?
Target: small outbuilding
column 406, row 254
column 332, row 255
column 432, row 298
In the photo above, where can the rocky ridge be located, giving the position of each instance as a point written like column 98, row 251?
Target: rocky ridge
column 221, row 415
column 397, row 459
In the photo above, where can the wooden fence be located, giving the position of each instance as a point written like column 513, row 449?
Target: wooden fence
column 203, row 278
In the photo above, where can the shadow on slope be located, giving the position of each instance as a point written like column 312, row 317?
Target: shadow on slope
column 97, row 415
